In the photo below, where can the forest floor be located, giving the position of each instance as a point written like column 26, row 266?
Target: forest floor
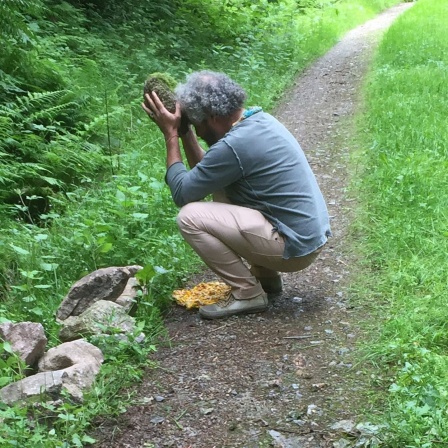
column 287, row 377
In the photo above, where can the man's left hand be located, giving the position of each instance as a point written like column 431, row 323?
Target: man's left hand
column 167, row 122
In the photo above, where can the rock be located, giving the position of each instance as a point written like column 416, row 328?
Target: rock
column 103, row 284
column 342, row 443
column 347, row 426
column 128, row 298
column 312, row 409
column 27, row 339
column 103, row 317
column 130, row 337
column 76, row 363
column 49, row 383
column 157, row 419
column 281, row 441
column 133, row 269
column 69, row 354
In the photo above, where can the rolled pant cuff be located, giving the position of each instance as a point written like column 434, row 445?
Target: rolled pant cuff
column 246, row 294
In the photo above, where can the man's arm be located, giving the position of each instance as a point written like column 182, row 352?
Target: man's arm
column 172, row 150
column 192, row 149
column 168, row 123
column 219, row 168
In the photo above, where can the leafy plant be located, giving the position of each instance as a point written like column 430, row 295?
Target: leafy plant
column 12, row 368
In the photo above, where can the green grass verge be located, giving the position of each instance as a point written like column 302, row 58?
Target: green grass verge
column 404, row 223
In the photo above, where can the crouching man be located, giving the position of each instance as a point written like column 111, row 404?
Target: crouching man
column 267, row 209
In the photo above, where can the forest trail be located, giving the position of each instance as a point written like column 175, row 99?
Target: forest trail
column 284, row 377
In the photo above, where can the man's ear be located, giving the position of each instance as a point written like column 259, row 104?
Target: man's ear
column 213, row 121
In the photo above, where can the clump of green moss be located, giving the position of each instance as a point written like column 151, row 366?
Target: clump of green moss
column 163, row 84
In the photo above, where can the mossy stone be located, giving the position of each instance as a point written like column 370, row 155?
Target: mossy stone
column 163, row 84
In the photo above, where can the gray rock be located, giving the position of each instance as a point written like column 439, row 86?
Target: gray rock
column 27, row 339
column 49, row 383
column 103, row 284
column 347, row 426
column 73, row 380
column 130, row 337
column 71, row 367
column 133, row 269
column 128, row 298
column 281, row 441
column 69, row 354
column 342, row 443
column 103, row 317
column 157, row 419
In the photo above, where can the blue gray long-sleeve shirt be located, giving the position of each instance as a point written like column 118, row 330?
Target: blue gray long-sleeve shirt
column 260, row 165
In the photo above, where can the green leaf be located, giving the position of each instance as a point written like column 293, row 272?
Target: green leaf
column 37, row 311
column 87, row 439
column 19, row 250
column 40, row 237
column 52, row 181
column 7, row 347
column 120, row 196
column 161, row 270
column 106, row 247
column 29, row 274
column 143, row 177
column 76, row 440
column 140, row 215
column 49, row 266
column 4, row 380
column 146, row 274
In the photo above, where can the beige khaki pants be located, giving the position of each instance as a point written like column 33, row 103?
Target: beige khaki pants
column 225, row 234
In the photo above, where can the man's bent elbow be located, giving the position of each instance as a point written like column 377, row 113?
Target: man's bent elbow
column 179, row 202
column 184, row 217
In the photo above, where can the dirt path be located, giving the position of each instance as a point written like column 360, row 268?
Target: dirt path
column 284, row 377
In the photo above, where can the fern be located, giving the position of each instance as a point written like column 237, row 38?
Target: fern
column 39, row 153
column 13, row 23
column 39, row 112
column 35, row 101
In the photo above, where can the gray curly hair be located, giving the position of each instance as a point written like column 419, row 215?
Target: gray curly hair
column 208, row 93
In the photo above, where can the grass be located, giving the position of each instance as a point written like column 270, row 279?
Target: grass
column 404, row 189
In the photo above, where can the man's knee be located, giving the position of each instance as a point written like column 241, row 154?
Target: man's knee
column 185, row 215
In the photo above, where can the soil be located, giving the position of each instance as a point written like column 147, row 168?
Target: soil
column 284, row 377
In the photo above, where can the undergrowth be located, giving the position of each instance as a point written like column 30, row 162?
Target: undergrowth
column 404, row 189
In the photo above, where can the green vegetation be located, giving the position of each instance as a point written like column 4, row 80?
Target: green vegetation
column 404, row 224
column 82, row 168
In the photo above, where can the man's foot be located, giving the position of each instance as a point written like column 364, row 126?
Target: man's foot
column 271, row 285
column 230, row 306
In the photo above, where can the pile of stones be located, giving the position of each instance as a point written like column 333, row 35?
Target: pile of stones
column 102, row 302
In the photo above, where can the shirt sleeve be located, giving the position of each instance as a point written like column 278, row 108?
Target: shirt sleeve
column 218, row 168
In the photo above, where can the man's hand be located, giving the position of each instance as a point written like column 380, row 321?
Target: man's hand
column 167, row 122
